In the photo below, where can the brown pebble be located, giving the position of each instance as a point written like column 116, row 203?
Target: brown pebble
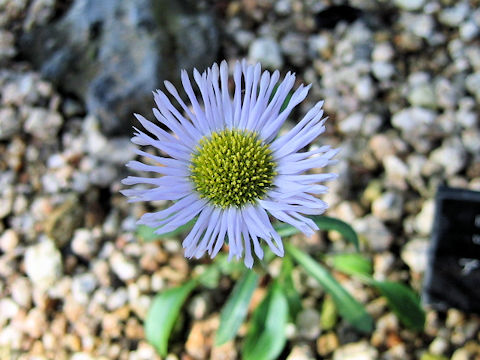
column 327, row 343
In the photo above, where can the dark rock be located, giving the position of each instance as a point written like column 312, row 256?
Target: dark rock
column 113, row 54
column 332, row 15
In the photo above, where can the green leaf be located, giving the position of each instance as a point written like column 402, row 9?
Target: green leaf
column 286, row 281
column 403, row 302
column 328, row 317
column 266, row 337
column 235, row 309
column 346, row 305
column 147, row 233
column 285, row 102
column 163, row 313
column 351, row 264
column 233, row 269
column 210, row 277
column 324, row 223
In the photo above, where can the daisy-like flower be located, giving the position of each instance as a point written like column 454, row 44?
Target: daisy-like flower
column 225, row 163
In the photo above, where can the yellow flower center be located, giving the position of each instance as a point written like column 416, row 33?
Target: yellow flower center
column 232, row 168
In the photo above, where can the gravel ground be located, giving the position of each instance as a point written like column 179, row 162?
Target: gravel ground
column 401, row 83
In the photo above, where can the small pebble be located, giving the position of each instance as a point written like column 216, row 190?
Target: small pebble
column 267, row 52
column 374, row 232
column 122, row 267
column 84, row 243
column 22, row 291
column 308, row 323
column 356, row 351
column 43, row 264
column 414, row 254
column 9, row 240
column 388, row 207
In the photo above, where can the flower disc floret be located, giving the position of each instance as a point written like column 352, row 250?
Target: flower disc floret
column 232, row 168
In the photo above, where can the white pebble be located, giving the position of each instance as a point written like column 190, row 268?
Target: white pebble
column 43, row 264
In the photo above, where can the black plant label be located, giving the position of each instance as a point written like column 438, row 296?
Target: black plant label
column 453, row 274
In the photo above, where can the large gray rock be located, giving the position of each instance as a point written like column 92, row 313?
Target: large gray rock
column 113, row 54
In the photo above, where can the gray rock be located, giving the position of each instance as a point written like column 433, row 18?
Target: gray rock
column 383, row 51
column 454, row 16
column 22, row 291
column 446, row 93
column 7, row 192
column 283, row 7
column 82, row 286
column 301, row 352
column 422, row 95
column 471, row 140
column 356, row 351
column 294, row 46
column 424, row 219
column 266, row 51
column 117, row 299
column 7, row 45
column 472, row 83
column 243, row 37
column 11, row 9
column 42, row 123
column 9, row 240
column 8, row 309
column 439, row 346
column 199, row 306
column 113, row 54
column 308, row 323
column 396, row 171
column 84, row 243
column 461, row 354
column 43, row 264
column 371, row 124
column 473, row 56
column 414, row 120
column 20, row 89
column 352, row 124
column 382, row 70
column 414, row 254
column 420, row 25
column 451, row 156
column 388, row 207
column 383, row 264
column 123, row 267
column 469, row 30
column 364, row 89
column 103, row 175
column 374, row 232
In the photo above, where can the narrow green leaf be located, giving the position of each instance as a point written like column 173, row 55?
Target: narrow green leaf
column 266, row 337
column 324, row 223
column 286, row 281
column 235, row 309
column 403, row 302
column 285, row 102
column 347, row 306
column 351, row 264
column 147, row 233
column 163, row 313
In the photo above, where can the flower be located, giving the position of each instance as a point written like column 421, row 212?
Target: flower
column 226, row 164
